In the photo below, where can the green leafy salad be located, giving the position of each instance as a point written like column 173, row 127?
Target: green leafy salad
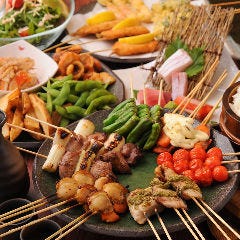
column 33, row 17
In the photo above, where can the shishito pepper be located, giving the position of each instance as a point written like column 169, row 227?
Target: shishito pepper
column 155, row 113
column 121, row 105
column 143, row 111
column 153, row 137
column 143, row 125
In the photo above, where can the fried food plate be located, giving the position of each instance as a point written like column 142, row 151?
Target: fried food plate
column 26, row 141
column 217, row 195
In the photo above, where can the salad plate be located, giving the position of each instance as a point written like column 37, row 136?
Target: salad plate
column 217, row 195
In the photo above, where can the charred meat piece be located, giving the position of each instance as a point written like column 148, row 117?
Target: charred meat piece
column 131, row 153
column 68, row 164
column 141, row 203
column 119, row 163
column 184, row 185
column 102, row 169
column 75, row 143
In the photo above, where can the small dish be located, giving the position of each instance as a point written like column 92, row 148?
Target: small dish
column 44, row 66
column 229, row 120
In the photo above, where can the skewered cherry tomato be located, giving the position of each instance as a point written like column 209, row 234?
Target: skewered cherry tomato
column 190, row 174
column 220, row 173
column 204, row 176
column 168, row 164
column 215, row 151
column 195, row 163
column 212, row 162
column 163, row 157
column 181, row 154
column 180, row 165
column 198, row 152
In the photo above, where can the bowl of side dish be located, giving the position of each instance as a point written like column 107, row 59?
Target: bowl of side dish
column 24, row 66
column 41, row 25
column 230, row 115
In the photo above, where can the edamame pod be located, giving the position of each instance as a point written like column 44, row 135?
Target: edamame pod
column 76, row 110
column 81, row 102
column 128, row 126
column 153, row 137
column 60, row 83
column 87, row 85
column 95, row 94
column 143, row 126
column 63, row 112
column 64, row 122
column 100, row 102
column 63, row 95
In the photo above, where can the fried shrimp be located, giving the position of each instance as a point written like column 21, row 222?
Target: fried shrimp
column 123, row 32
column 70, row 63
column 94, row 29
column 126, row 49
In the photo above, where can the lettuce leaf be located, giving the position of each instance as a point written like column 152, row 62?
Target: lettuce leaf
column 196, row 55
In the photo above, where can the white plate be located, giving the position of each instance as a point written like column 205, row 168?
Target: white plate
column 139, row 76
column 44, row 66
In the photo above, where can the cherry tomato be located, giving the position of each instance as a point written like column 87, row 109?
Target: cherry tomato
column 181, row 154
column 189, row 173
column 215, row 151
column 163, row 157
column 168, row 164
column 204, row 176
column 15, row 3
column 220, row 173
column 195, row 163
column 212, row 162
column 198, row 152
column 180, row 165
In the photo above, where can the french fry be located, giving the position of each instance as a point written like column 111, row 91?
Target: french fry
column 32, row 125
column 41, row 113
column 17, row 120
column 10, row 100
column 6, row 131
column 26, row 103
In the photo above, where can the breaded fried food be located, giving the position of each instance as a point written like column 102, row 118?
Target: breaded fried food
column 123, row 32
column 126, row 49
column 94, row 29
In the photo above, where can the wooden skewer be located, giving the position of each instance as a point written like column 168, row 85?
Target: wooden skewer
column 194, row 90
column 160, row 92
column 163, row 225
column 237, row 11
column 221, row 78
column 96, row 51
column 25, row 206
column 31, row 152
column 231, row 161
column 210, row 217
column 60, row 44
column 34, row 213
column 209, row 115
column 67, row 226
column 226, row 3
column 28, row 130
column 36, row 221
column 231, row 154
column 220, row 219
column 193, row 224
column 75, row 226
column 152, row 227
column 234, row 171
column 186, row 224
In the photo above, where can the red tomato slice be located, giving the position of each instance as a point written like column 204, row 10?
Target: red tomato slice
column 23, row 32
